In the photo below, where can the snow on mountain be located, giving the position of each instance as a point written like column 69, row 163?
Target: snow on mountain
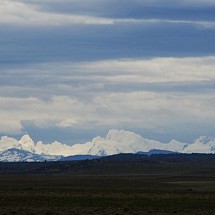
column 55, row 148
column 120, row 141
column 116, row 141
column 202, row 144
column 27, row 144
column 17, row 155
column 174, row 145
column 204, row 139
column 7, row 143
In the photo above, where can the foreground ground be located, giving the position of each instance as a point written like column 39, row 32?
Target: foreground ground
column 171, row 186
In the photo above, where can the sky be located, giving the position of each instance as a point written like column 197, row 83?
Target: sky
column 73, row 69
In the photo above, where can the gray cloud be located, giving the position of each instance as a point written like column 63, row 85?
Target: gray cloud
column 103, row 12
column 191, row 11
column 97, row 6
column 107, row 94
column 88, row 66
column 125, row 75
column 83, row 43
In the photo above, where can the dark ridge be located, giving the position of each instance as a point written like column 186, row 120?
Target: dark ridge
column 79, row 157
column 118, row 164
column 157, row 151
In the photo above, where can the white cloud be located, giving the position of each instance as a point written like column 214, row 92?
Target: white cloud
column 20, row 13
column 140, row 109
column 76, row 94
column 202, row 24
column 43, row 113
column 90, row 77
column 155, row 70
column 83, row 79
column 13, row 12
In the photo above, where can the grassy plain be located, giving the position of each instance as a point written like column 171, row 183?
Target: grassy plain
column 113, row 188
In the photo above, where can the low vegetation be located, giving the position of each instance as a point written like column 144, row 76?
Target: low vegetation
column 123, row 184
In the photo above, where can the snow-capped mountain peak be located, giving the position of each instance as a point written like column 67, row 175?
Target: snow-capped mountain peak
column 123, row 136
column 26, row 143
column 8, row 143
column 204, row 139
column 116, row 141
column 203, row 144
column 26, row 140
column 120, row 141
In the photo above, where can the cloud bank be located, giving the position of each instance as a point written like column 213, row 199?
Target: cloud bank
column 141, row 93
column 90, row 65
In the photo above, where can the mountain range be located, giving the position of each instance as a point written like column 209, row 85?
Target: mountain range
column 116, row 142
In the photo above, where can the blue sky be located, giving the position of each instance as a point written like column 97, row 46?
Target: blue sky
column 71, row 70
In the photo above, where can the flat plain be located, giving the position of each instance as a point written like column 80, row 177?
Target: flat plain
column 117, row 185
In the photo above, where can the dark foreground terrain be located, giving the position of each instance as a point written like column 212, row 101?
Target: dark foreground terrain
column 123, row 184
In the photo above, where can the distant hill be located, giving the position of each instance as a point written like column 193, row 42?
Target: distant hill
column 79, row 157
column 157, row 151
column 121, row 164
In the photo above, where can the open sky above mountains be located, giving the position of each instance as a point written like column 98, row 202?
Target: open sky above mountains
column 73, row 69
